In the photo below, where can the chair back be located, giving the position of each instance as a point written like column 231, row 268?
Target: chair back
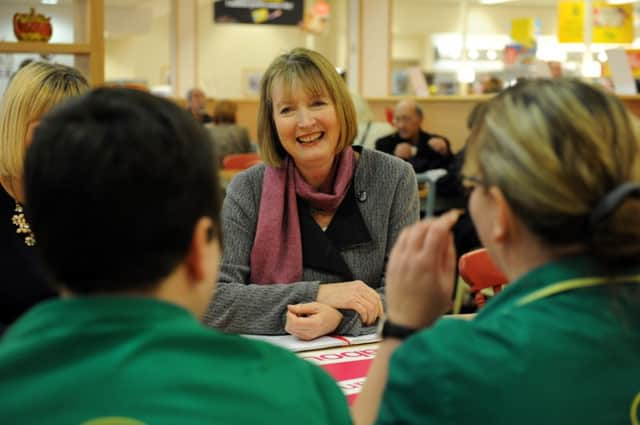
column 240, row 161
column 480, row 272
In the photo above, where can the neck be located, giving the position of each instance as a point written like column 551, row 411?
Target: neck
column 317, row 176
column 516, row 261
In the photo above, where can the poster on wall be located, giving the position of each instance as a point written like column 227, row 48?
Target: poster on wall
column 612, row 23
column 265, row 12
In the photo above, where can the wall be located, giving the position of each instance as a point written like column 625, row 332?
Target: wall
column 228, row 51
column 142, row 57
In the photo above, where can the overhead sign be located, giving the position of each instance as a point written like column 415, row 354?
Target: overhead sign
column 274, row 12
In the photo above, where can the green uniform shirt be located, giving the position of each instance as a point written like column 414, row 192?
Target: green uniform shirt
column 568, row 358
column 75, row 360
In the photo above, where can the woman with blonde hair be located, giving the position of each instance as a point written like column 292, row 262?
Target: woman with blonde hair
column 307, row 233
column 33, row 90
column 554, row 170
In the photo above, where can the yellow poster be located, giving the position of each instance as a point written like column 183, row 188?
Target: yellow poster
column 612, row 23
column 523, row 31
column 570, row 21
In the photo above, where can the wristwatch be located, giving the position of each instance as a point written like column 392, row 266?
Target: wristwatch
column 388, row 329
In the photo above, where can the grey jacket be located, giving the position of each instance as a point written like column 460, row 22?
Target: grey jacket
column 242, row 307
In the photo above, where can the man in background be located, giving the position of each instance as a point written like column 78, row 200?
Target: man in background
column 424, row 151
column 197, row 105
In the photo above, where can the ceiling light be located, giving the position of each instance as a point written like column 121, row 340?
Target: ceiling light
column 492, row 55
column 473, row 54
column 49, row 1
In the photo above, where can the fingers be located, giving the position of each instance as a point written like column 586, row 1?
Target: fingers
column 303, row 309
column 322, row 321
column 438, row 238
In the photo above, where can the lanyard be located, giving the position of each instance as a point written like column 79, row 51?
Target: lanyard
column 571, row 284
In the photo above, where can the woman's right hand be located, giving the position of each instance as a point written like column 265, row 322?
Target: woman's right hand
column 355, row 295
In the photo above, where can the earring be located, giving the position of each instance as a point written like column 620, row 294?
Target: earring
column 23, row 227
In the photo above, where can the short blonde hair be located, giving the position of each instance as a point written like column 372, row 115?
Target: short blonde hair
column 32, row 91
column 318, row 76
column 555, row 148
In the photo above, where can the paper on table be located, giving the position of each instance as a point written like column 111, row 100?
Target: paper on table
column 293, row 343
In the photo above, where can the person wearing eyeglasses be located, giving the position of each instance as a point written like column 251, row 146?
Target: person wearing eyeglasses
column 424, row 151
column 554, row 173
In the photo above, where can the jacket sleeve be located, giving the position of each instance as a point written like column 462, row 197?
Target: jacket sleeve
column 404, row 210
column 239, row 306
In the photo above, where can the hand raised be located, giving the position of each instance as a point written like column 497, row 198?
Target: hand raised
column 311, row 320
column 420, row 272
column 355, row 295
column 439, row 145
column 403, row 150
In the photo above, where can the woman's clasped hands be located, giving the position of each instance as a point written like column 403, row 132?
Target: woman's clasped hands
column 311, row 320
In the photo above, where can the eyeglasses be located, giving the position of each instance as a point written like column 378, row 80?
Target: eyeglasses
column 471, row 182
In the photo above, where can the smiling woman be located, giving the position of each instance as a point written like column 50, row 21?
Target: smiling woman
column 307, row 233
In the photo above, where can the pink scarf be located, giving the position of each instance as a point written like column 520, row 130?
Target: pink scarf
column 276, row 256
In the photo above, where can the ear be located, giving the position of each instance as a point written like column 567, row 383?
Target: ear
column 504, row 221
column 28, row 136
column 198, row 259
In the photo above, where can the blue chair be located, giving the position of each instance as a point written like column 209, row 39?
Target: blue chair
column 430, row 177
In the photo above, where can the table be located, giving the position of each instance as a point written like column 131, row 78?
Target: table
column 347, row 365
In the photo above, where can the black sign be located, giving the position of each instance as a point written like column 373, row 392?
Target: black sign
column 274, row 12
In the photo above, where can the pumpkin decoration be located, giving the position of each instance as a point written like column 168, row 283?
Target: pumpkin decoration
column 31, row 26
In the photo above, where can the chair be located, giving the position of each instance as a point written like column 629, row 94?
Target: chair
column 431, row 177
column 480, row 272
column 240, row 161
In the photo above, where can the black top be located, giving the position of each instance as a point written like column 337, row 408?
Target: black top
column 426, row 157
column 321, row 249
column 23, row 281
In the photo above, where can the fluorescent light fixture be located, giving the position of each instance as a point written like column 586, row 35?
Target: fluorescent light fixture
column 621, row 1
column 49, row 1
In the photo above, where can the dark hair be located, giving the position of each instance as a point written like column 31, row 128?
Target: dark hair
column 115, row 182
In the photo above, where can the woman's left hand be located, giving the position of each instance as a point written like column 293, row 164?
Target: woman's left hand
column 311, row 320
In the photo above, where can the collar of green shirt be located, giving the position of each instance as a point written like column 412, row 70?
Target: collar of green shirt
column 566, row 274
column 85, row 311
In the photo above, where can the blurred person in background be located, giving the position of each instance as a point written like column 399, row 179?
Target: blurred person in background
column 33, row 90
column 424, row 151
column 197, row 105
column 228, row 137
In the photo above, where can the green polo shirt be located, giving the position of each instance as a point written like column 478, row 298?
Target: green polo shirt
column 72, row 361
column 569, row 358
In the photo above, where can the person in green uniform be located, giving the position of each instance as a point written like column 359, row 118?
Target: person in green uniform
column 554, row 174
column 123, row 196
